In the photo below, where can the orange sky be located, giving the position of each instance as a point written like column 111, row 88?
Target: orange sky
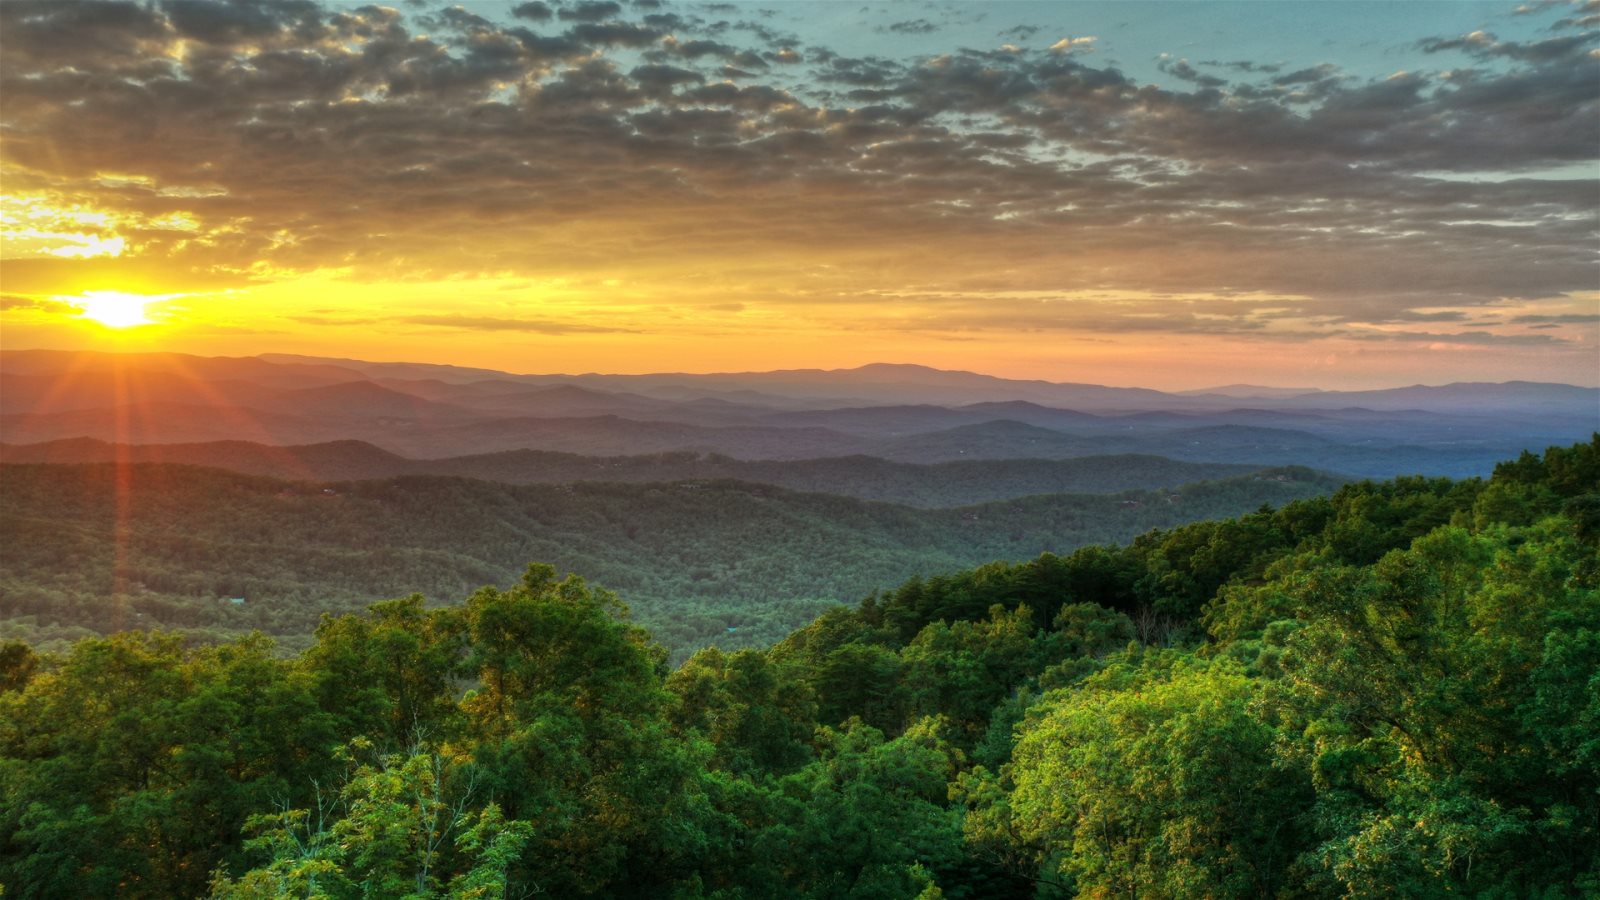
column 597, row 189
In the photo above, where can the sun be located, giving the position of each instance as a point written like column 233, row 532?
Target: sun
column 115, row 309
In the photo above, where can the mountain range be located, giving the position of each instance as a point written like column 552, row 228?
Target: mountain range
column 901, row 413
column 158, row 489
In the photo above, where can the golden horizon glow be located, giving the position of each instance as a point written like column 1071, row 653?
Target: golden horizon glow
column 652, row 323
column 738, row 205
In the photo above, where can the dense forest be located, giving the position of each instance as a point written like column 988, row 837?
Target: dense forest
column 107, row 547
column 959, row 483
column 1393, row 691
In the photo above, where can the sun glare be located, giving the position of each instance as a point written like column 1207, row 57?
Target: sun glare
column 114, row 309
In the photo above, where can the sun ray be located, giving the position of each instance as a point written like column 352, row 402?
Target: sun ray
column 121, row 527
column 238, row 416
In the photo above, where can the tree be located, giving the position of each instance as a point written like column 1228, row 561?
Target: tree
column 1154, row 780
column 402, row 826
column 569, row 732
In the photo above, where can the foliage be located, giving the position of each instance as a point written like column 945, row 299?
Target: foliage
column 1392, row 691
column 101, row 548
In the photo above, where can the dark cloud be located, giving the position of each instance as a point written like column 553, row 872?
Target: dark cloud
column 1588, row 17
column 534, row 11
column 1485, row 45
column 910, row 26
column 656, row 79
column 459, row 19
column 590, row 11
column 1244, row 65
column 1180, row 68
column 118, row 35
column 695, row 49
column 869, row 72
column 228, row 23
column 756, row 97
column 1562, row 319
column 1313, row 75
column 615, row 34
column 1380, row 314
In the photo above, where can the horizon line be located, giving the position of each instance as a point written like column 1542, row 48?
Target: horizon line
column 1307, row 390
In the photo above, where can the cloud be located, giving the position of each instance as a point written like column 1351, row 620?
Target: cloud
column 1244, row 65
column 1484, row 44
column 1464, row 337
column 656, row 79
column 615, row 34
column 495, row 323
column 1562, row 319
column 590, row 11
column 319, row 319
column 14, row 302
column 1074, row 44
column 1020, row 32
column 910, row 26
column 1180, row 68
column 534, row 11
column 730, row 162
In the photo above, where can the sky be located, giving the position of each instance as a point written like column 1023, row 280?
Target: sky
column 1164, row 194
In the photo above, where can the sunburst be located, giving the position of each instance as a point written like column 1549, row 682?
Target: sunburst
column 115, row 309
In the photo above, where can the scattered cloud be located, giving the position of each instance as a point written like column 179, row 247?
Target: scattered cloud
column 1244, row 65
column 1563, row 319
column 910, row 26
column 15, row 302
column 320, row 319
column 704, row 150
column 589, row 11
column 1074, row 44
column 494, row 323
column 1180, row 69
column 1485, row 45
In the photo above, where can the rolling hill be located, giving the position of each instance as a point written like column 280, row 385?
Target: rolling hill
column 863, row 477
column 109, row 547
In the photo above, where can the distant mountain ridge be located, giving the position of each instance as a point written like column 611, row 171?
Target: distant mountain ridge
column 900, row 413
column 881, row 383
column 1250, row 391
column 916, row 383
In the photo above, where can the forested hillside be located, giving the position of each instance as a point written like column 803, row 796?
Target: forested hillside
column 868, row 478
column 1390, row 692
column 105, row 547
